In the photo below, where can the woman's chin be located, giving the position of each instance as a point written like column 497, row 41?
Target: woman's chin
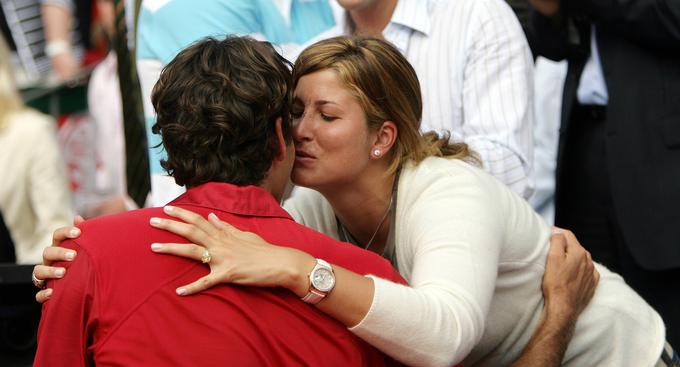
column 304, row 179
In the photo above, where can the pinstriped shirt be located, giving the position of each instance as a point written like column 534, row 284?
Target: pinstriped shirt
column 476, row 74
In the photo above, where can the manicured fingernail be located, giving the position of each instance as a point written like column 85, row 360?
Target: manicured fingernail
column 181, row 291
column 212, row 216
column 59, row 272
column 155, row 221
column 48, row 292
column 156, row 246
column 556, row 230
column 168, row 209
column 70, row 255
column 74, row 232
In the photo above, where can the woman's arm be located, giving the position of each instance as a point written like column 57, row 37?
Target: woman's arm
column 245, row 258
column 57, row 19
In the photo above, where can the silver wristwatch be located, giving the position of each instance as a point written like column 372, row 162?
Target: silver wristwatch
column 321, row 282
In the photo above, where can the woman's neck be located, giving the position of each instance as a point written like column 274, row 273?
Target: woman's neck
column 361, row 207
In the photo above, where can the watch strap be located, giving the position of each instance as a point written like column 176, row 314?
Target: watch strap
column 313, row 296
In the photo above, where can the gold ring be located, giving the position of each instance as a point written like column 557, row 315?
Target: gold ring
column 205, row 258
column 40, row 283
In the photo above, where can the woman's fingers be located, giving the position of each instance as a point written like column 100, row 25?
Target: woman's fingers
column 78, row 219
column 186, row 230
column 219, row 224
column 188, row 250
column 43, row 272
column 54, row 254
column 43, row 295
column 201, row 284
column 64, row 233
column 191, row 218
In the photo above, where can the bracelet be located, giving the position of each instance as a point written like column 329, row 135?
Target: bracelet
column 57, row 47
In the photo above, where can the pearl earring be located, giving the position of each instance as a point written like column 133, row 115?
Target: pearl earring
column 377, row 153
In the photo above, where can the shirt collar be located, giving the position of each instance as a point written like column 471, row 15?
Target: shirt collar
column 413, row 14
column 240, row 200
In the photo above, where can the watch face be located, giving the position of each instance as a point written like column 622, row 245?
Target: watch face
column 323, row 279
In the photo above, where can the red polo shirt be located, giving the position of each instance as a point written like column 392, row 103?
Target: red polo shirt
column 117, row 303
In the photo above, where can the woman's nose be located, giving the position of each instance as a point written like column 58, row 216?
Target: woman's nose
column 302, row 129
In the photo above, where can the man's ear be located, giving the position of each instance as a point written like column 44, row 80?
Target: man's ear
column 385, row 138
column 280, row 142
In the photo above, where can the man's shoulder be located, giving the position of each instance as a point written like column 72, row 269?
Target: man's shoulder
column 116, row 233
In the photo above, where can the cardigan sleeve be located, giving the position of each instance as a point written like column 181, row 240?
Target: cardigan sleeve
column 451, row 236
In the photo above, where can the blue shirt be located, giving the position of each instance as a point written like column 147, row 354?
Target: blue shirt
column 592, row 88
column 167, row 27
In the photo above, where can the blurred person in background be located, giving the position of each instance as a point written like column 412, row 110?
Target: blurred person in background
column 69, row 21
column 107, row 193
column 105, row 109
column 34, row 195
column 618, row 166
column 58, row 22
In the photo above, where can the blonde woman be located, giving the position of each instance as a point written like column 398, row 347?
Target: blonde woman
column 34, row 195
column 473, row 252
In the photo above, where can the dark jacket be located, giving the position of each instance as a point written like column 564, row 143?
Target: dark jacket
column 639, row 46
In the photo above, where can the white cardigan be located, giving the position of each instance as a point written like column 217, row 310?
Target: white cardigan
column 474, row 255
column 34, row 194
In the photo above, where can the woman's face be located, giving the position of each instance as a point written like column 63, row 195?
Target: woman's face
column 332, row 140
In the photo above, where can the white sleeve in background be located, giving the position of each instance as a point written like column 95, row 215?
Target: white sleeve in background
column 104, row 104
column 498, row 96
column 549, row 82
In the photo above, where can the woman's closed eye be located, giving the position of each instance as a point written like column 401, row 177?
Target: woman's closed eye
column 328, row 118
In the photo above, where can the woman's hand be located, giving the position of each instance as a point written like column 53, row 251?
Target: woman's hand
column 54, row 254
column 235, row 256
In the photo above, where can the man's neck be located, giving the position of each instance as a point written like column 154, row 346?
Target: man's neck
column 373, row 19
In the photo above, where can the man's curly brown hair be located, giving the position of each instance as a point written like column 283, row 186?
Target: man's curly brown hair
column 216, row 103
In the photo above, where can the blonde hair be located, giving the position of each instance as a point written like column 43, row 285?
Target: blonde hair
column 387, row 88
column 10, row 101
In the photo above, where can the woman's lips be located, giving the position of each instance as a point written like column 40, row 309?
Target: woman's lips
column 303, row 157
